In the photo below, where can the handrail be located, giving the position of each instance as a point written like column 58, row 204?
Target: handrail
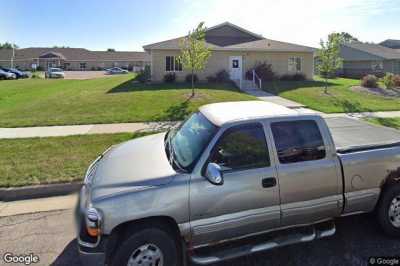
column 255, row 76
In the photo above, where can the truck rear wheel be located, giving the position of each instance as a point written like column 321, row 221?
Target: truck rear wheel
column 389, row 211
column 150, row 246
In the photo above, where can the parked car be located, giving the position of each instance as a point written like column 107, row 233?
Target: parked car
column 7, row 75
column 18, row 73
column 54, row 72
column 116, row 70
column 251, row 174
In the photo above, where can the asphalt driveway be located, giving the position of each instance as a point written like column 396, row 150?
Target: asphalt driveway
column 90, row 74
column 51, row 236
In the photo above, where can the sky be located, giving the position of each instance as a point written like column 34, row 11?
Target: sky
column 127, row 25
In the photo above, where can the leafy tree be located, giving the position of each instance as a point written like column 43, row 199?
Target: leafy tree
column 8, row 45
column 110, row 50
column 344, row 37
column 329, row 57
column 194, row 52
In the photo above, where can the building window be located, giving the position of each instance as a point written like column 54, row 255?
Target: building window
column 172, row 64
column 377, row 65
column 82, row 66
column 295, row 64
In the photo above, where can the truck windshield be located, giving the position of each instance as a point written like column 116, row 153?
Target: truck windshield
column 190, row 139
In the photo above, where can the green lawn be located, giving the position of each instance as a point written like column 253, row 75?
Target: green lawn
column 34, row 161
column 40, row 102
column 387, row 122
column 340, row 98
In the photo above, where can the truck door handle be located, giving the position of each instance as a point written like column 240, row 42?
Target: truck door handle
column 269, row 182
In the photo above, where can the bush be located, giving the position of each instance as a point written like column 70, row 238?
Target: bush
column 144, row 75
column 222, row 76
column 170, row 78
column 369, row 81
column 264, row 71
column 396, row 81
column 388, row 80
column 36, row 75
column 293, row 77
column 188, row 78
column 211, row 79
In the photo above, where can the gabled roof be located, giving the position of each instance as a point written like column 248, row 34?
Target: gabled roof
column 370, row 51
column 72, row 54
column 391, row 43
column 227, row 36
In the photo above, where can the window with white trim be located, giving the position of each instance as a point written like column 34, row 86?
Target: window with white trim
column 172, row 64
column 377, row 65
column 295, row 64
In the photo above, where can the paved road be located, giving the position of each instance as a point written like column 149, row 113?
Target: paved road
column 51, row 236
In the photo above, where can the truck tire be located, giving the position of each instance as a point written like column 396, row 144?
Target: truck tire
column 150, row 246
column 389, row 210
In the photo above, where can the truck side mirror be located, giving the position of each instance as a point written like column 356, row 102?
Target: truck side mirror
column 214, row 175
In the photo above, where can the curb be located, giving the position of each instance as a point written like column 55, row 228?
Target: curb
column 38, row 191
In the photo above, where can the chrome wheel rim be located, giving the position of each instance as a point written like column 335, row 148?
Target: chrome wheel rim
column 146, row 255
column 394, row 212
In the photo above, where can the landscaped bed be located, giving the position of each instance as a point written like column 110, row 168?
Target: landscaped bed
column 341, row 97
column 36, row 161
column 40, row 102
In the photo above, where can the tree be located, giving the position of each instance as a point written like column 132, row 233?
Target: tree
column 110, row 50
column 344, row 37
column 329, row 57
column 8, row 45
column 194, row 52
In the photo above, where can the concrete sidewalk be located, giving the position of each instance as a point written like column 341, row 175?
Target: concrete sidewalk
column 57, row 131
column 37, row 205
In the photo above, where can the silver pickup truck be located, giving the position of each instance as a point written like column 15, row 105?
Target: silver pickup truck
column 233, row 179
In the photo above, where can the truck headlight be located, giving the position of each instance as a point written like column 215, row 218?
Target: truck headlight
column 93, row 222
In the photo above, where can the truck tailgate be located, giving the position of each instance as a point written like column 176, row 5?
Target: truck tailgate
column 354, row 135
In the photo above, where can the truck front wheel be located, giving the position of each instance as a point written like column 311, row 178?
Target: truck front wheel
column 150, row 246
column 389, row 210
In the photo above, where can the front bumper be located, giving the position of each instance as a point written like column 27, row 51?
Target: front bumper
column 91, row 258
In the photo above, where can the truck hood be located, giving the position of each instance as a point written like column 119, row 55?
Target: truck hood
column 138, row 164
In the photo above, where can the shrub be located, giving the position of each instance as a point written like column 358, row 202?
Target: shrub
column 264, row 71
column 388, row 80
column 369, row 81
column 144, row 75
column 293, row 77
column 170, row 78
column 36, row 75
column 188, row 78
column 211, row 79
column 222, row 76
column 396, row 81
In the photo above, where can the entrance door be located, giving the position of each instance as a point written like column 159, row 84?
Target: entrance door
column 235, row 67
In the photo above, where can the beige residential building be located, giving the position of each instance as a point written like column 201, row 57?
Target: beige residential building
column 71, row 59
column 235, row 50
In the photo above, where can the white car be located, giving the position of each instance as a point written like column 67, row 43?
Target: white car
column 116, row 70
column 7, row 75
column 54, row 72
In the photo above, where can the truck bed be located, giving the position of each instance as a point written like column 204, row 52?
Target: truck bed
column 352, row 135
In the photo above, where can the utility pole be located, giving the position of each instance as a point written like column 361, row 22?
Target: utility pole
column 12, row 57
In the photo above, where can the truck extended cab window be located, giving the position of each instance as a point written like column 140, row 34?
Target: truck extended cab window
column 298, row 141
column 242, row 147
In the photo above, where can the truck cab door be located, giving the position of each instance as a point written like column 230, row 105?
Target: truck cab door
column 308, row 171
column 248, row 200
